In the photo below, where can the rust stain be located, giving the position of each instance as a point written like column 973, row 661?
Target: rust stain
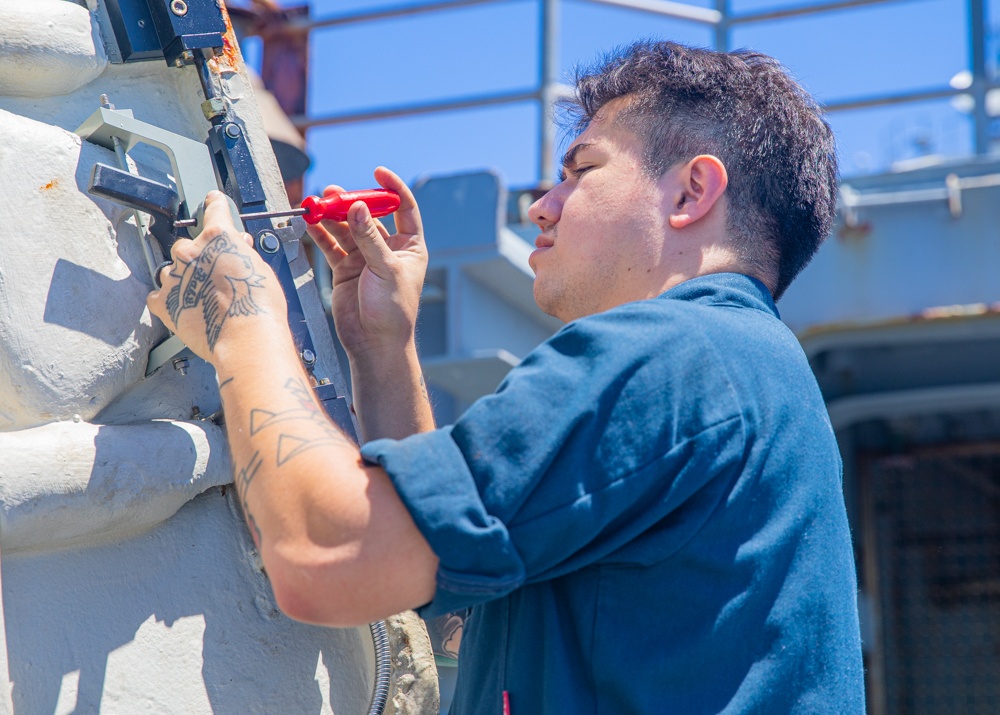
column 230, row 59
column 968, row 313
column 51, row 185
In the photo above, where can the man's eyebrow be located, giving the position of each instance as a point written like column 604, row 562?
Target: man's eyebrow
column 569, row 158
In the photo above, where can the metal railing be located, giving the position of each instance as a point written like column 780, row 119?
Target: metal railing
column 547, row 89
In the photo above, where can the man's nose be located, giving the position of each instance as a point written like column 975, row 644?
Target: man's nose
column 545, row 212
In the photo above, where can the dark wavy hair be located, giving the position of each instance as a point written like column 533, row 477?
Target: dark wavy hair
column 743, row 108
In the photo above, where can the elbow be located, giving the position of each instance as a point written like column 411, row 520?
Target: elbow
column 306, row 606
column 313, row 593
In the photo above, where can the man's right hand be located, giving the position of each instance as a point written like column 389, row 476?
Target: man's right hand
column 377, row 278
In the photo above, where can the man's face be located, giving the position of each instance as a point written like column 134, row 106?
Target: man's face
column 602, row 227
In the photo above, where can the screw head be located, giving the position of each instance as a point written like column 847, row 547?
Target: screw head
column 142, row 23
column 179, row 8
column 308, row 357
column 232, row 131
column 269, row 242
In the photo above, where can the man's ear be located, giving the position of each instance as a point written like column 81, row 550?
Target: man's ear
column 700, row 184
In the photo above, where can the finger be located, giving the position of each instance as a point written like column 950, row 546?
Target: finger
column 340, row 231
column 248, row 239
column 217, row 217
column 327, row 243
column 155, row 300
column 407, row 216
column 370, row 240
column 160, row 275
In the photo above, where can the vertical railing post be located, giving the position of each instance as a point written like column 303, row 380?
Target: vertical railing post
column 980, row 82
column 722, row 26
column 548, row 77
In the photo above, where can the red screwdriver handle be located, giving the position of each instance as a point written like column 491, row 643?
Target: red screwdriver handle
column 380, row 202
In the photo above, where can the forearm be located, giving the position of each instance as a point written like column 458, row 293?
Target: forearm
column 325, row 523
column 390, row 396
column 321, row 518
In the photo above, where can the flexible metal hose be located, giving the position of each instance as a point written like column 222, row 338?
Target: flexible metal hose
column 383, row 667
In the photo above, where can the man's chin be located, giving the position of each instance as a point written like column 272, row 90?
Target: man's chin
column 549, row 305
column 541, row 299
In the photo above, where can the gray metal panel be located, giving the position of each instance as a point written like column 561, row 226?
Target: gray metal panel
column 902, row 259
column 461, row 211
column 479, row 316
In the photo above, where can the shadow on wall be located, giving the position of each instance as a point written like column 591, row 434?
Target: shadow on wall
column 185, row 603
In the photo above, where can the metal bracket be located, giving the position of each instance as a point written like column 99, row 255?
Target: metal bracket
column 190, row 164
column 173, row 30
column 190, row 160
column 238, row 174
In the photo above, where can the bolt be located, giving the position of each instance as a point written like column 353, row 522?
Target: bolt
column 178, row 63
column 232, row 131
column 142, row 23
column 106, row 103
column 308, row 357
column 268, row 242
column 188, row 55
column 179, row 8
column 181, row 365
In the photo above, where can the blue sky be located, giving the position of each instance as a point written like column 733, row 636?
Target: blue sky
column 890, row 47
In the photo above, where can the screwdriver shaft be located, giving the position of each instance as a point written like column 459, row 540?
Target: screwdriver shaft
column 188, row 222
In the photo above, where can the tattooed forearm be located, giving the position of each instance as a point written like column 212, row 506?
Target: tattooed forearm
column 302, row 427
column 221, row 280
column 296, row 429
column 243, row 480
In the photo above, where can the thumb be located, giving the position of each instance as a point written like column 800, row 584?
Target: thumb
column 217, row 214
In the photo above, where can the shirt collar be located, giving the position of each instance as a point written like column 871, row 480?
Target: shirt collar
column 733, row 289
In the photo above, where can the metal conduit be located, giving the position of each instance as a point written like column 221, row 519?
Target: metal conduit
column 383, row 668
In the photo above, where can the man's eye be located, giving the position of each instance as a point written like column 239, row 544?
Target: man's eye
column 576, row 172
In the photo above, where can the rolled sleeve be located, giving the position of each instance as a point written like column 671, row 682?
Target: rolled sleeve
column 478, row 561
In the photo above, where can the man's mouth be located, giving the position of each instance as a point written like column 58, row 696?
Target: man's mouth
column 543, row 241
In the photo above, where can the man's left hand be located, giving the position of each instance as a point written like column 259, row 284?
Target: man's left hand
column 218, row 290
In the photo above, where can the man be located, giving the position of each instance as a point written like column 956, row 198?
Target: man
column 646, row 517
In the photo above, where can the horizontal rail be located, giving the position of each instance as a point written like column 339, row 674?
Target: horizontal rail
column 350, row 18
column 920, row 95
column 785, row 12
column 679, row 10
column 850, row 198
column 684, row 11
column 304, row 122
column 664, row 8
column 445, row 105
